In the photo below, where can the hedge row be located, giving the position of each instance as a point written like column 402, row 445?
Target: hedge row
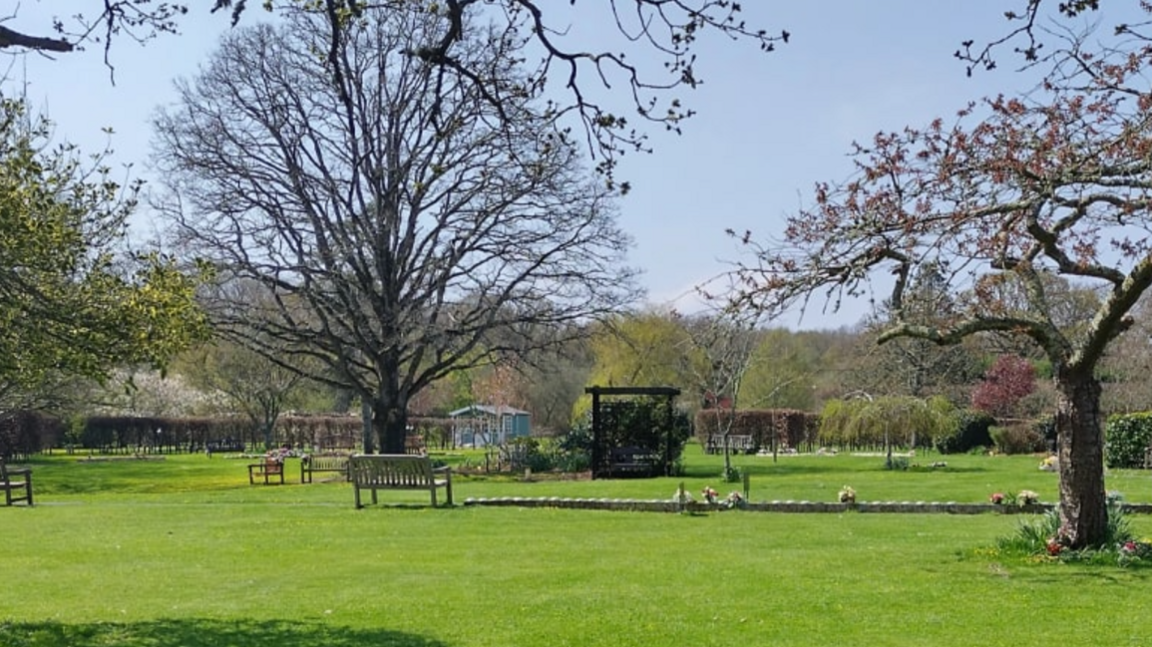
column 1126, row 438
column 23, row 433
column 792, row 428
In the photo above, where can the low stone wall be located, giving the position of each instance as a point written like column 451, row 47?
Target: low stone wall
column 666, row 505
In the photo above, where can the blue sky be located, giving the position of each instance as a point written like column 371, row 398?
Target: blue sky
column 768, row 125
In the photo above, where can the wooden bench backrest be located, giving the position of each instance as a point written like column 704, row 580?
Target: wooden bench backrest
column 397, row 470
column 327, row 462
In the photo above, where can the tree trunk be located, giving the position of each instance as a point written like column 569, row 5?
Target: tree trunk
column 1083, row 509
column 367, row 432
column 390, row 421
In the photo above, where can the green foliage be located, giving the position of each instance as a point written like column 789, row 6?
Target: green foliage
column 897, row 464
column 779, row 372
column 969, row 433
column 646, row 349
column 1126, row 438
column 648, row 423
column 899, row 420
column 731, row 474
column 1032, row 535
column 1042, row 536
column 574, row 450
column 68, row 302
column 1017, row 439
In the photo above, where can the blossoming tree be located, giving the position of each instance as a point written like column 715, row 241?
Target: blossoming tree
column 1017, row 190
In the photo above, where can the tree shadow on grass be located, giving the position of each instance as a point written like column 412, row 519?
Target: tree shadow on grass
column 203, row 633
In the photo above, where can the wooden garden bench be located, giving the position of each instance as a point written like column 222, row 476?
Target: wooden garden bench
column 374, row 472
column 742, row 443
column 13, row 480
column 269, row 470
column 324, row 463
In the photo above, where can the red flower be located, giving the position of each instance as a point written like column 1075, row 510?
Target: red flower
column 1054, row 547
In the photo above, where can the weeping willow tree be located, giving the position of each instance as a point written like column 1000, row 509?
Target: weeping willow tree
column 885, row 421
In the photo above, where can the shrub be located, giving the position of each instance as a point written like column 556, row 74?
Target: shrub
column 574, row 450
column 1031, row 537
column 1017, row 439
column 1042, row 536
column 1125, row 439
column 896, row 463
column 531, row 455
column 971, row 432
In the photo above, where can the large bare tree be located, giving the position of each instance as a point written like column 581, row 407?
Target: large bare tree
column 1058, row 182
column 400, row 228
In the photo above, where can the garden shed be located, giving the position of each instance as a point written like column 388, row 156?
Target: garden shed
column 481, row 425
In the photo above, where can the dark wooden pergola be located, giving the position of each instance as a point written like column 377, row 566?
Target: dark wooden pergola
column 596, row 392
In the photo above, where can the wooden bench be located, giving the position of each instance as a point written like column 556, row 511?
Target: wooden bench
column 632, row 461
column 375, row 472
column 219, row 446
column 268, row 470
column 736, row 443
column 323, row 463
column 14, row 479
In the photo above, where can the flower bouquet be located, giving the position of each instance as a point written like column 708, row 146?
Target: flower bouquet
column 847, row 495
column 709, row 494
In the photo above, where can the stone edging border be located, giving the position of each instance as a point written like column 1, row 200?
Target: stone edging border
column 665, row 505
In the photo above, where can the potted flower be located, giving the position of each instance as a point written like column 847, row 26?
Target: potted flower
column 997, row 498
column 734, row 500
column 847, row 495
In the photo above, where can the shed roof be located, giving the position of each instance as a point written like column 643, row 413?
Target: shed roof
column 492, row 410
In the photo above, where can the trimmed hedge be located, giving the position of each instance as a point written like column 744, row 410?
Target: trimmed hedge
column 1126, row 438
column 794, row 429
column 23, row 433
column 972, row 431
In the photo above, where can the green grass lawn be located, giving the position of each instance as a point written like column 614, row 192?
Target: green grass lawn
column 185, row 552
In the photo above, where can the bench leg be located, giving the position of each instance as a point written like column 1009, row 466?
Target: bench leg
column 356, row 489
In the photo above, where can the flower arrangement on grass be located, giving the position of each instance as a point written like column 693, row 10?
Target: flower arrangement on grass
column 709, row 494
column 682, row 496
column 997, row 498
column 734, row 500
column 1050, row 464
column 1027, row 497
column 847, row 494
column 1133, row 551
